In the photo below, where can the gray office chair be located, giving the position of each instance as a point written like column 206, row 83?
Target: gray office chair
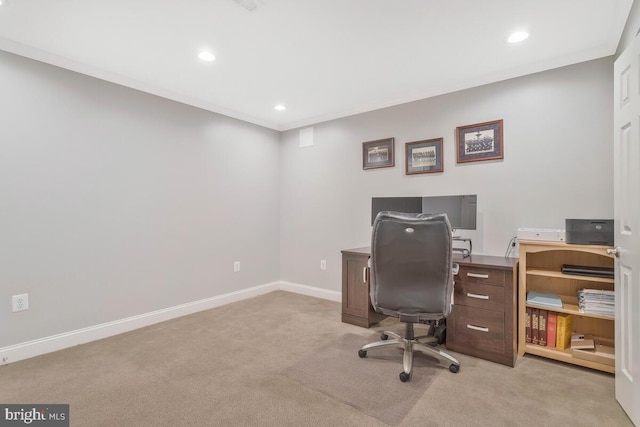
column 412, row 279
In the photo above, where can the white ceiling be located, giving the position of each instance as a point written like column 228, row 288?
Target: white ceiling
column 323, row 59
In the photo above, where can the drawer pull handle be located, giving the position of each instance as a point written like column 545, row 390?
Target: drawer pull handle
column 478, row 328
column 364, row 275
column 478, row 276
column 470, row 295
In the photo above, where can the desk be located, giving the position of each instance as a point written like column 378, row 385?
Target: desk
column 482, row 322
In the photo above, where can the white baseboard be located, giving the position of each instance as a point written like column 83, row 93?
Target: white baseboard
column 26, row 350
column 311, row 291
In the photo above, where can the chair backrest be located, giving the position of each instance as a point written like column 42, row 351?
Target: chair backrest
column 412, row 266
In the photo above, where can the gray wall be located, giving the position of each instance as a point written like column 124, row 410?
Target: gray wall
column 116, row 203
column 557, row 164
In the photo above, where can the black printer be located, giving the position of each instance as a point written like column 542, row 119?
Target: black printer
column 589, row 231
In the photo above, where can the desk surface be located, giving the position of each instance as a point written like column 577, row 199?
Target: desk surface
column 471, row 260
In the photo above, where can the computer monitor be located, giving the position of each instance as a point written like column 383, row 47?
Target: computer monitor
column 396, row 204
column 461, row 210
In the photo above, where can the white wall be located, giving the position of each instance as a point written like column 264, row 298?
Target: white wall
column 115, row 203
column 557, row 164
column 631, row 29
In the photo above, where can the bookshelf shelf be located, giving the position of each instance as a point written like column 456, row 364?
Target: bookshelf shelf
column 540, row 271
column 571, row 309
column 560, row 275
column 565, row 356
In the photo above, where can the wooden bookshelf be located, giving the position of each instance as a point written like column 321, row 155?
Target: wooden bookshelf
column 540, row 271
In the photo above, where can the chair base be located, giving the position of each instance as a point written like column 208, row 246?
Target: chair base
column 410, row 344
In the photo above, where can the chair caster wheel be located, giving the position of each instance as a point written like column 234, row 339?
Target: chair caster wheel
column 384, row 337
column 404, row 377
column 363, row 353
column 454, row 368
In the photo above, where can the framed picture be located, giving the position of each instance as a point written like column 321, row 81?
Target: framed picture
column 482, row 141
column 378, row 154
column 423, row 156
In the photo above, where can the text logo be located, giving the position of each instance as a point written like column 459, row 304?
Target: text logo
column 39, row 415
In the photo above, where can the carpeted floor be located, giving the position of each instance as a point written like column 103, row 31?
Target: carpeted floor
column 228, row 367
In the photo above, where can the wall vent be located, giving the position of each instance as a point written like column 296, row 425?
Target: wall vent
column 250, row 5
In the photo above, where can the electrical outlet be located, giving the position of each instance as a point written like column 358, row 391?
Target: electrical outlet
column 236, row 266
column 20, row 302
column 5, row 360
column 323, row 264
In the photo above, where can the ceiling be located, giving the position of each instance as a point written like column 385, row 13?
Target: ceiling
column 322, row 59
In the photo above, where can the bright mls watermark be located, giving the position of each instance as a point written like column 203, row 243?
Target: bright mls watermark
column 40, row 415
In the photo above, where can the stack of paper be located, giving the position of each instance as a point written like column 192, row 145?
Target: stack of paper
column 596, row 301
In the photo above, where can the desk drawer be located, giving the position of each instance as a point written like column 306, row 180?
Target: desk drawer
column 478, row 328
column 472, row 294
column 481, row 275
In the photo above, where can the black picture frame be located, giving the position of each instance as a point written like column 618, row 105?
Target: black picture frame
column 378, row 154
column 424, row 156
column 480, row 141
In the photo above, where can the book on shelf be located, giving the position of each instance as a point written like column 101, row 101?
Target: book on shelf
column 537, row 326
column 534, row 325
column 544, row 300
column 552, row 319
column 582, row 342
column 563, row 330
column 542, row 327
column 527, row 325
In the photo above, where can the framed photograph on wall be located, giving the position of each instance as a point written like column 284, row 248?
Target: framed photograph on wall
column 423, row 156
column 378, row 154
column 482, row 141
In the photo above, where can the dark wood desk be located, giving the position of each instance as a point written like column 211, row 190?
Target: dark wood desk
column 483, row 320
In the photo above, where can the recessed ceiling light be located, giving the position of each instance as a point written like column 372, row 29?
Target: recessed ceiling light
column 204, row 55
column 4, row 2
column 280, row 107
column 518, row 36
